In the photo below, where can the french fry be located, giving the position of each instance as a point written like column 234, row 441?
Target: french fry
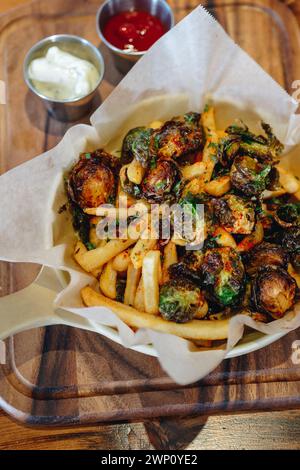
column 223, row 238
column 170, row 257
column 210, row 156
column 195, row 186
column 202, row 311
column 179, row 241
column 108, row 281
column 97, row 271
column 144, row 244
column 288, row 181
column 106, row 211
column 135, row 172
column 135, row 210
column 133, row 278
column 194, row 329
column 218, row 187
column 139, row 303
column 193, row 171
column 160, row 273
column 121, row 261
column 266, row 194
column 294, row 274
column 208, row 120
column 249, row 241
column 95, row 258
column 150, row 273
column 124, row 199
column 79, row 251
column 94, row 240
column 211, row 145
column 156, row 124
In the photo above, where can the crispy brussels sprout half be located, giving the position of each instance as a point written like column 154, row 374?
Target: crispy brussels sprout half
column 228, row 148
column 265, row 254
column 223, row 276
column 249, row 176
column 235, row 214
column 176, row 139
column 240, row 129
column 92, row 180
column 273, row 291
column 275, row 145
column 162, row 183
column 258, row 146
column 272, row 180
column 288, row 215
column 192, row 119
column 189, row 267
column 291, row 243
column 136, row 145
column 190, row 201
column 179, row 300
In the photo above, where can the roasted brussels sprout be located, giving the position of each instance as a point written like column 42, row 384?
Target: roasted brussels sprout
column 179, row 300
column 275, row 145
column 136, row 145
column 249, row 176
column 288, row 215
column 273, row 291
column 189, row 267
column 192, row 119
column 223, row 276
column 228, row 148
column 162, row 183
column 92, row 181
column 265, row 254
column 190, row 202
column 235, row 214
column 175, row 139
column 272, row 180
column 291, row 243
column 258, row 146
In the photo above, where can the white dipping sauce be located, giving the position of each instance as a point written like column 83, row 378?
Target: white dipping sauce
column 63, row 76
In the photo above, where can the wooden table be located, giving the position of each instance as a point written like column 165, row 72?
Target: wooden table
column 270, row 430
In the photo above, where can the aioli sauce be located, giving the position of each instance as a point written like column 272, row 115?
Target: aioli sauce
column 133, row 30
column 63, row 76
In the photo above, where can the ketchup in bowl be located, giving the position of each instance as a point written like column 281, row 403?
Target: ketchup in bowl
column 134, row 31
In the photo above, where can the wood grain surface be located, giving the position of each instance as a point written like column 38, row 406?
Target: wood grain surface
column 238, row 431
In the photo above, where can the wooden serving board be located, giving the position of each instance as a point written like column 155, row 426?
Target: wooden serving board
column 61, row 375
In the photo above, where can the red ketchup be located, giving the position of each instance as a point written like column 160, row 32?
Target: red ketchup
column 133, row 30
